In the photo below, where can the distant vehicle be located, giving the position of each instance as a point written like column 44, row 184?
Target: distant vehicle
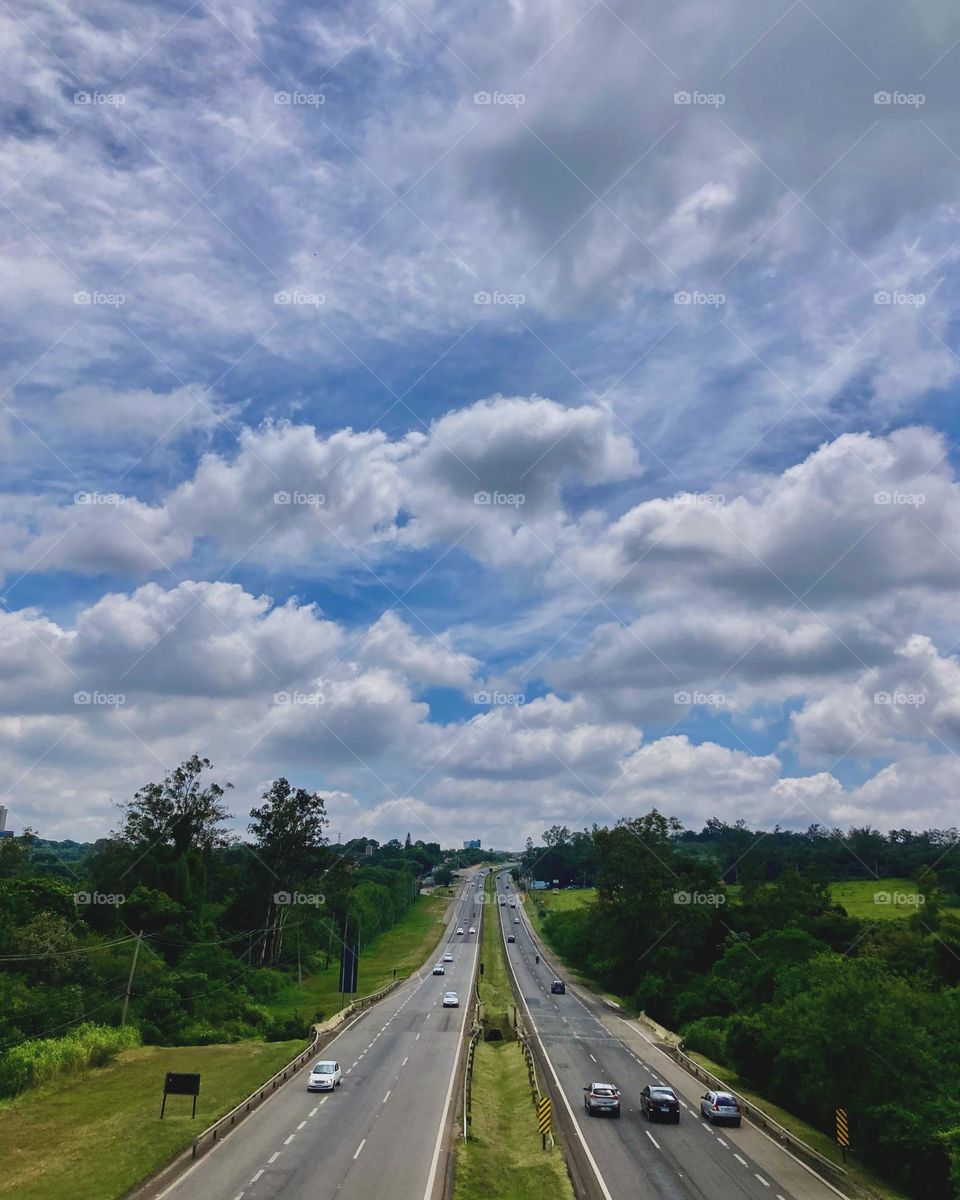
column 459, row 929
column 516, row 920
column 324, row 1076
column 513, row 904
column 720, row 1106
column 660, row 1104
column 558, row 987
column 471, row 930
column 438, row 969
column 451, row 1000
column 601, row 1098
column 448, row 957
column 511, row 938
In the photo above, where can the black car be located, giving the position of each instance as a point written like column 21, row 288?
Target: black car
column 660, row 1104
column 511, row 938
column 558, row 987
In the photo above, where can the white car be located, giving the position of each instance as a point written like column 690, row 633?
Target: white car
column 459, row 929
column 448, row 957
column 324, row 1076
column 451, row 1000
column 438, row 969
column 516, row 920
column 471, row 930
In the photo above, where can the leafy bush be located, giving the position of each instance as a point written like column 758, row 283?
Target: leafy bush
column 44, row 1059
column 287, row 1029
column 707, row 1036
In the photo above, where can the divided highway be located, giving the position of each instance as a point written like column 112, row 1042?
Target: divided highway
column 634, row 1159
column 383, row 1130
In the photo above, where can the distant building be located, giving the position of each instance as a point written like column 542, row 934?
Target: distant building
column 472, row 844
column 4, row 831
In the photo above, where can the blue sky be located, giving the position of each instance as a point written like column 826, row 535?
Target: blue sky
column 608, row 371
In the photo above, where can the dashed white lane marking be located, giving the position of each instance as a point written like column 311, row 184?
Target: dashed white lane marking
column 780, row 1196
column 387, row 1096
column 359, row 1148
column 313, row 1111
column 300, row 1126
column 238, row 1196
column 273, row 1157
column 288, row 1140
column 724, row 1144
column 323, row 1101
column 417, row 1038
column 349, row 1069
column 652, row 1138
column 405, row 1061
column 761, row 1178
column 257, row 1176
column 741, row 1160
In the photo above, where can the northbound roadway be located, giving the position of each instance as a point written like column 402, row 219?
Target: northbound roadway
column 634, row 1160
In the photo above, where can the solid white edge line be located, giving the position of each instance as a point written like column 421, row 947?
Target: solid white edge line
column 563, row 1096
column 435, row 1161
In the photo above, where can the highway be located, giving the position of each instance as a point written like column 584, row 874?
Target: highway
column 634, row 1159
column 383, row 1130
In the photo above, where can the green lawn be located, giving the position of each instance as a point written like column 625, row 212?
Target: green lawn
column 877, row 899
column 405, row 947
column 504, row 1159
column 95, row 1137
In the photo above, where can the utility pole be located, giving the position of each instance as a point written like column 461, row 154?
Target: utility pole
column 299, row 970
column 133, row 967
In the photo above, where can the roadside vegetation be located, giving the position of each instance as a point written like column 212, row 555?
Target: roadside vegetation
column 220, row 940
column 815, row 990
column 504, row 1159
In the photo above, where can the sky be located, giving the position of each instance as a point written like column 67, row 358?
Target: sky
column 489, row 417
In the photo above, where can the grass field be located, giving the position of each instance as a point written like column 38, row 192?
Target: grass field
column 97, row 1137
column 503, row 1159
column 404, row 947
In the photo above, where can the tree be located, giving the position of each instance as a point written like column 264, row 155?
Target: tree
column 408, row 842
column 288, row 829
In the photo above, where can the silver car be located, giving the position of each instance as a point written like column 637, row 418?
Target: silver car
column 451, row 1000
column 601, row 1098
column 720, row 1106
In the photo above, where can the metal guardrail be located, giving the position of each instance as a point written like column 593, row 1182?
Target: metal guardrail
column 756, row 1115
column 224, row 1124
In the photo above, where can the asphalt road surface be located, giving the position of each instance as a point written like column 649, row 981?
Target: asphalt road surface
column 381, row 1132
column 635, row 1159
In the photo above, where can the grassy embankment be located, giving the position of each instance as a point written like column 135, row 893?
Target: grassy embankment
column 504, row 1159
column 97, row 1136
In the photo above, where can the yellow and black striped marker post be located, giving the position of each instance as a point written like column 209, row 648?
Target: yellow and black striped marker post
column 843, row 1132
column 543, row 1118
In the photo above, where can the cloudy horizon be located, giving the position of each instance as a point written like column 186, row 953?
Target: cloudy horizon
column 490, row 419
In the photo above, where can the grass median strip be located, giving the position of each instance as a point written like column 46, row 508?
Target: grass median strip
column 503, row 1160
column 96, row 1136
